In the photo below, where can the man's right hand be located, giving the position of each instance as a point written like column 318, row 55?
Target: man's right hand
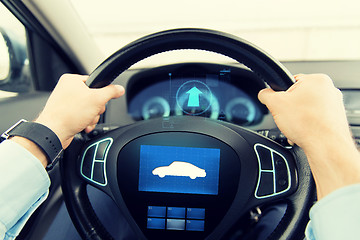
column 311, row 114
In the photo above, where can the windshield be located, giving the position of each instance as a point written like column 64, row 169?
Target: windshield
column 290, row 30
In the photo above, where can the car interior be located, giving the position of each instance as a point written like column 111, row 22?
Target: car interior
column 189, row 151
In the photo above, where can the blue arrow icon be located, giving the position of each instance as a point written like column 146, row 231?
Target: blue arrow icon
column 194, row 97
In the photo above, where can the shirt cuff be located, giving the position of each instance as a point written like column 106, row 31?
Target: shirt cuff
column 24, row 184
column 336, row 216
column 13, row 232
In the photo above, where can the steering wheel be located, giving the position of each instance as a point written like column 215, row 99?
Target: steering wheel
column 243, row 169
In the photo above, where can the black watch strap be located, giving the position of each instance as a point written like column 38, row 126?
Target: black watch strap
column 41, row 135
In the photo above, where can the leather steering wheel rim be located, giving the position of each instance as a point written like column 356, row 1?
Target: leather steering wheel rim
column 269, row 69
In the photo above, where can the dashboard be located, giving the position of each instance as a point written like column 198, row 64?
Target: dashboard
column 214, row 91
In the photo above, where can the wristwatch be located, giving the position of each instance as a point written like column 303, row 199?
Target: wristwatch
column 41, row 135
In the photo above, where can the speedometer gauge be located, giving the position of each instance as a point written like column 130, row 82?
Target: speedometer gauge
column 155, row 107
column 240, row 110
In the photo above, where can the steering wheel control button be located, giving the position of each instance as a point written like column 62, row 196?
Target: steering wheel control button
column 156, row 211
column 195, row 225
column 265, row 158
column 101, row 150
column 156, row 223
column 98, row 172
column 194, row 97
column 176, row 218
column 195, row 213
column 175, row 224
column 281, row 174
column 94, row 160
column 87, row 162
column 266, row 185
column 175, row 212
column 272, row 180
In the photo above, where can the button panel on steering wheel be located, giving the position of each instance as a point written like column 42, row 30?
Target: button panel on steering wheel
column 93, row 162
column 274, row 172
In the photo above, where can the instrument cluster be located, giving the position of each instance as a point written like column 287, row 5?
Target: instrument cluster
column 213, row 91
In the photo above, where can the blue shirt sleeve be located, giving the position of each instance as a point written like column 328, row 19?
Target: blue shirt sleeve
column 336, row 216
column 24, row 185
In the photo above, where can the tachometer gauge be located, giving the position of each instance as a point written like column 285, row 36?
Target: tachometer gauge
column 155, row 107
column 240, row 110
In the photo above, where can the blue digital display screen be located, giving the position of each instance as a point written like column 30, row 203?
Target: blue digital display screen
column 170, row 169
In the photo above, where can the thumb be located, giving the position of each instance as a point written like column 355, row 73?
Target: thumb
column 273, row 100
column 111, row 91
column 265, row 95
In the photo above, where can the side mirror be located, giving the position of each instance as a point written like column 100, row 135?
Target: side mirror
column 14, row 64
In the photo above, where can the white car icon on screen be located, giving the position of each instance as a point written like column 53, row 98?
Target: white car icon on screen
column 181, row 169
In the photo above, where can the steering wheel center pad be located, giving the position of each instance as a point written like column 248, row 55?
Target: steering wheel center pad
column 269, row 69
column 240, row 188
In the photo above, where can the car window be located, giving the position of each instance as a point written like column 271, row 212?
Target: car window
column 15, row 74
